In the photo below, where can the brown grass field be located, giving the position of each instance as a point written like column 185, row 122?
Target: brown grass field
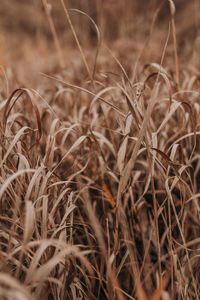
column 100, row 149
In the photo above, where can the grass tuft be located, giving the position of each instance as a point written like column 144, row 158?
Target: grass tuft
column 99, row 148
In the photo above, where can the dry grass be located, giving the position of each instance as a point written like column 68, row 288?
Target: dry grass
column 100, row 164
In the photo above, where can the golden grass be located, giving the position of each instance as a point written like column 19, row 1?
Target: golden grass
column 100, row 164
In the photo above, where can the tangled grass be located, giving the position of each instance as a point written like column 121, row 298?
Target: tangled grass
column 99, row 174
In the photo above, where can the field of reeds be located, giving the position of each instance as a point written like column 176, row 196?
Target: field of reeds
column 100, row 150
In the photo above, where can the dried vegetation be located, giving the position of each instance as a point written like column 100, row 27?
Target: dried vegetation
column 100, row 163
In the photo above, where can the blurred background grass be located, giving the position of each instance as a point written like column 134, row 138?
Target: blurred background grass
column 113, row 17
column 25, row 35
